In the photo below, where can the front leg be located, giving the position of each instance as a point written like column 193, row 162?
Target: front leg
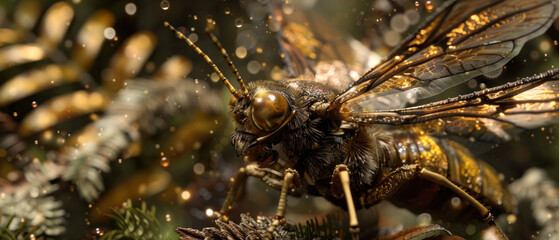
column 341, row 171
column 269, row 176
column 291, row 180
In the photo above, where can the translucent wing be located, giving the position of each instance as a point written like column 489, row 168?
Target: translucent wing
column 488, row 115
column 462, row 40
column 313, row 49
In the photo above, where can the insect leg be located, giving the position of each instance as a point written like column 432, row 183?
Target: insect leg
column 483, row 211
column 270, row 177
column 389, row 185
column 290, row 179
column 341, row 171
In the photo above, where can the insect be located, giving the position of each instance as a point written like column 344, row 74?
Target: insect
column 352, row 141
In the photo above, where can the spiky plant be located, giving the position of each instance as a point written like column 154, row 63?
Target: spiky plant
column 9, row 233
column 138, row 224
column 47, row 81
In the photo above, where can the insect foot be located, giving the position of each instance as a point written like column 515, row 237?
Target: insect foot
column 290, row 180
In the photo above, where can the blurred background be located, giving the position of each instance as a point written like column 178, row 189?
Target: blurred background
column 102, row 108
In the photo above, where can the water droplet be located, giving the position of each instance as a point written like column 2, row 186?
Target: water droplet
column 455, row 202
column 130, row 9
column 165, row 5
column 399, row 23
column 429, row 6
column 241, row 52
column 391, row 38
column 227, row 11
column 185, row 195
column 288, row 8
column 253, row 67
column 472, row 83
column 209, row 212
column 109, row 33
column 34, row 104
column 198, row 168
column 239, row 22
column 511, row 218
column 15, row 114
column 164, row 162
column 424, row 219
column 168, row 217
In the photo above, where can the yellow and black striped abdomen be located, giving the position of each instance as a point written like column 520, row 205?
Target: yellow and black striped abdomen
column 451, row 160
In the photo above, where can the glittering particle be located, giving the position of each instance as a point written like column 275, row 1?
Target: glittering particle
column 193, row 37
column 164, row 162
column 455, row 202
column 165, row 5
column 198, row 168
column 241, row 52
column 209, row 212
column 399, row 23
column 253, row 67
column 545, row 46
column 186, row 195
column 412, row 16
column 511, row 218
column 130, row 9
column 424, row 219
column 239, row 22
column 109, row 33
column 287, row 8
column 429, row 6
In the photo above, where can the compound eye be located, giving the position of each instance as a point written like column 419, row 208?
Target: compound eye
column 269, row 110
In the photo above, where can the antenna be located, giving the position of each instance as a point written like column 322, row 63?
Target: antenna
column 209, row 31
column 232, row 89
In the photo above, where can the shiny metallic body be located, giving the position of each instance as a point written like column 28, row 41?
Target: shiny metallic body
column 397, row 154
column 451, row 160
column 338, row 125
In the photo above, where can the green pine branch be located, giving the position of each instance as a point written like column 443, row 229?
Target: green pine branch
column 19, row 232
column 138, row 224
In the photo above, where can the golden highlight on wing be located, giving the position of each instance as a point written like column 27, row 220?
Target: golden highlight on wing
column 314, row 50
column 488, row 115
column 455, row 45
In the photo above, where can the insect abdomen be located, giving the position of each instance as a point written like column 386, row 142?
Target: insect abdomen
column 453, row 161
